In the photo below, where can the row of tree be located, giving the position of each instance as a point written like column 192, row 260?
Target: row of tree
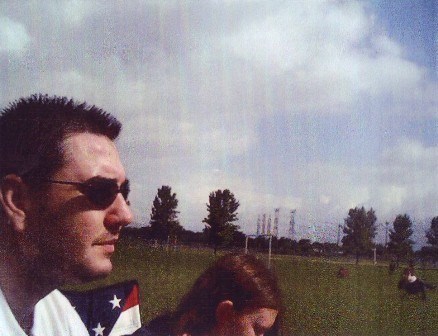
column 360, row 230
column 220, row 229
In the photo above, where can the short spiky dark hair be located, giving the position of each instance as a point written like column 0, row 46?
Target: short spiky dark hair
column 32, row 131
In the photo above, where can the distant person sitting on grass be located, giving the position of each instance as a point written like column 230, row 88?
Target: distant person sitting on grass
column 238, row 295
column 343, row 272
column 412, row 284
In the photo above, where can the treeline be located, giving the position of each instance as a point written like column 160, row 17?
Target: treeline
column 282, row 245
column 303, row 247
column 221, row 231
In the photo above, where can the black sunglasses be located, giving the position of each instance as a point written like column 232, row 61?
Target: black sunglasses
column 99, row 190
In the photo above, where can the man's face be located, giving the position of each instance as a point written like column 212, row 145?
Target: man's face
column 75, row 238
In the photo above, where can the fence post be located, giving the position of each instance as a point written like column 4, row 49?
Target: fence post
column 375, row 256
column 270, row 249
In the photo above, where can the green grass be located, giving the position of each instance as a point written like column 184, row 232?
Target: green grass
column 366, row 303
column 317, row 302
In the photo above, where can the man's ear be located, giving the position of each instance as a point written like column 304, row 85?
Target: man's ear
column 224, row 312
column 14, row 198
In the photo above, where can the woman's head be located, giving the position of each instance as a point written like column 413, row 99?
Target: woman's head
column 235, row 286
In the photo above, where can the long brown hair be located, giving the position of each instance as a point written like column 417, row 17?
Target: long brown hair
column 240, row 278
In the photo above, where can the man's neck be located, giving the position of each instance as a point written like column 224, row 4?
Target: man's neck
column 21, row 289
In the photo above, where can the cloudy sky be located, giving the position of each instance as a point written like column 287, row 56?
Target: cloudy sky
column 318, row 106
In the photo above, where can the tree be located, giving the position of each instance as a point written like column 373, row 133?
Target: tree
column 164, row 222
column 432, row 238
column 222, row 213
column 400, row 243
column 359, row 230
column 305, row 247
column 318, row 248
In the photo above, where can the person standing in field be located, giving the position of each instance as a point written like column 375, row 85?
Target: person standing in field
column 238, row 295
column 63, row 203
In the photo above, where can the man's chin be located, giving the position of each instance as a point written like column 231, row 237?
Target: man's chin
column 93, row 273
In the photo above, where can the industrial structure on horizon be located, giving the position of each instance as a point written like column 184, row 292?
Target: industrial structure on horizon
column 264, row 227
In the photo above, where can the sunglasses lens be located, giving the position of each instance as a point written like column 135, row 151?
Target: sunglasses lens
column 100, row 191
column 103, row 192
column 124, row 190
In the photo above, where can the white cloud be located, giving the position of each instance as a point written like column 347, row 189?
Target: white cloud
column 76, row 11
column 386, row 46
column 326, row 56
column 300, row 34
column 407, row 180
column 392, row 197
column 203, row 89
column 13, row 35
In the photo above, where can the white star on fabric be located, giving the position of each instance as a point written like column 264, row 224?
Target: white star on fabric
column 115, row 302
column 98, row 330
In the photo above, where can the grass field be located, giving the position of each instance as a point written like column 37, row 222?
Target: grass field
column 317, row 302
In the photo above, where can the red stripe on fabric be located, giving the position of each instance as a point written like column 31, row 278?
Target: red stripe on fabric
column 133, row 298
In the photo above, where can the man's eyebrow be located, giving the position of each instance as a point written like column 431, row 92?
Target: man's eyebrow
column 100, row 177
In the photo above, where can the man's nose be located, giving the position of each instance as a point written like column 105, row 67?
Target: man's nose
column 119, row 214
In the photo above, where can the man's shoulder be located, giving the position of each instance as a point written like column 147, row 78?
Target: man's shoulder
column 115, row 308
column 55, row 313
column 8, row 323
column 55, row 299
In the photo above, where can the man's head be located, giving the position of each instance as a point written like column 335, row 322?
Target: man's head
column 33, row 130
column 63, row 187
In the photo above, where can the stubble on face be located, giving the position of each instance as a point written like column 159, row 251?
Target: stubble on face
column 65, row 230
column 40, row 249
column 56, row 243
